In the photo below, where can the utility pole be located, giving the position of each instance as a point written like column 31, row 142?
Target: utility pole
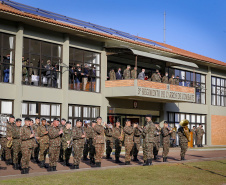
column 164, row 27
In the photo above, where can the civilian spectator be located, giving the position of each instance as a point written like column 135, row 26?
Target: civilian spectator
column 118, row 74
column 141, row 75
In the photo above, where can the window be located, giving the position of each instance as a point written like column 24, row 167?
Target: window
column 83, row 112
column 218, row 91
column 84, row 73
column 174, row 119
column 47, row 110
column 7, row 45
column 41, row 63
column 191, row 79
column 6, row 107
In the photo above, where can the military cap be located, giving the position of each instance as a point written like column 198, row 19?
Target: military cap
column 18, row 119
column 128, row 120
column 63, row 119
column 148, row 115
column 93, row 121
column 78, row 120
column 56, row 119
column 43, row 119
column 99, row 117
column 157, row 123
column 117, row 120
column 68, row 122
column 27, row 119
column 166, row 122
column 11, row 116
column 37, row 118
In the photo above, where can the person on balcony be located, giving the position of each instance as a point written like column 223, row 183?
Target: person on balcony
column 177, row 80
column 126, row 73
column 165, row 78
column 156, row 77
column 172, row 80
column 141, row 75
column 134, row 73
column 118, row 74
column 112, row 74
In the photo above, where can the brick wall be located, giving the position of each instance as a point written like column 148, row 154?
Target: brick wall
column 182, row 89
column 119, row 83
column 154, row 85
column 218, row 130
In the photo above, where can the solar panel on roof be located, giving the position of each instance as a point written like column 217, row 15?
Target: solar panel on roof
column 76, row 22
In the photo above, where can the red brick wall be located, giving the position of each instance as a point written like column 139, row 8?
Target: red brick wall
column 218, row 130
column 154, row 85
column 182, row 89
column 119, row 83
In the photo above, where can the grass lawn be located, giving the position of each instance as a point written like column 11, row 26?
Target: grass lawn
column 205, row 172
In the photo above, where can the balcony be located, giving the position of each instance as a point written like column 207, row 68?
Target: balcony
column 148, row 90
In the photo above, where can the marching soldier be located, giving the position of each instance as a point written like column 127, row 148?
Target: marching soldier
column 66, row 139
column 54, row 144
column 172, row 80
column 27, row 144
column 16, row 144
column 126, row 73
column 199, row 134
column 149, row 131
column 128, row 134
column 109, row 140
column 112, row 74
column 156, row 140
column 138, row 132
column 134, row 73
column 118, row 136
column 78, row 136
column 194, row 135
column 99, row 141
column 165, row 78
column 63, row 127
column 43, row 141
column 36, row 145
column 166, row 131
column 86, row 145
column 92, row 142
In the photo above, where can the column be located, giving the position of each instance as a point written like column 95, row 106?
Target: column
column 208, row 103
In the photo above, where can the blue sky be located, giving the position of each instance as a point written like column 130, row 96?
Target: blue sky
column 194, row 25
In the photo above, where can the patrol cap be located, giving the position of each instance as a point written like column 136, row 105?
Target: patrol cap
column 43, row 119
column 56, row 119
column 27, row 119
column 149, row 115
column 63, row 119
column 128, row 120
column 117, row 120
column 157, row 123
column 37, row 118
column 18, row 119
column 11, row 116
column 78, row 120
column 68, row 122
column 99, row 117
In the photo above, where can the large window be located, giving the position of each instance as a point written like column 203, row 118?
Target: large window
column 6, row 107
column 174, row 119
column 7, row 58
column 85, row 113
column 41, row 63
column 218, row 91
column 84, row 73
column 46, row 110
column 192, row 79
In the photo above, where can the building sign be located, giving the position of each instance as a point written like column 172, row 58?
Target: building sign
column 166, row 94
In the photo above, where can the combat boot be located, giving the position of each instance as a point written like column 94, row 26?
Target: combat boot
column 98, row 164
column 148, row 162
column 135, row 158
column 127, row 163
column 42, row 164
column 76, row 167
column 85, row 158
column 155, row 157
column 54, row 168
column 15, row 166
column 26, row 171
column 23, row 170
column 67, row 163
column 117, row 160
column 164, row 159
column 50, row 169
column 182, row 159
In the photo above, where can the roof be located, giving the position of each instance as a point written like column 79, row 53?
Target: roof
column 174, row 50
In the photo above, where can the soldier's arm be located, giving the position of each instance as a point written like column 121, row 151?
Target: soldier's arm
column 53, row 134
column 128, row 131
column 76, row 135
column 23, row 135
column 165, row 132
column 97, row 129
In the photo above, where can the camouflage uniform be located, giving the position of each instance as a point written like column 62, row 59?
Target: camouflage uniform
column 30, row 72
column 44, row 143
column 173, row 136
column 128, row 133
column 126, row 74
column 91, row 145
column 67, row 136
column 172, row 81
column 165, row 79
column 144, row 148
column 118, row 142
column 183, row 141
column 26, row 146
column 194, row 136
column 136, row 146
column 61, row 146
column 54, row 145
column 87, row 142
column 112, row 75
column 109, row 141
column 35, row 150
column 166, row 142
column 16, row 145
column 155, row 77
column 177, row 81
column 78, row 144
column 8, row 151
column 134, row 74
column 99, row 143
column 199, row 133
column 156, row 145
column 203, row 132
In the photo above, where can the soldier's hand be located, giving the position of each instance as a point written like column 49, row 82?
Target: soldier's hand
column 32, row 135
column 9, row 138
column 46, row 132
column 68, row 142
column 83, row 136
column 61, row 131
column 37, row 138
column 135, row 125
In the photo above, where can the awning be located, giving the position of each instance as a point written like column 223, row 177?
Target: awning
column 163, row 58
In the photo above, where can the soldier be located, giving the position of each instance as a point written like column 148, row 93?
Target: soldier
column 128, row 134
column 63, row 127
column 183, row 141
column 199, row 134
column 203, row 132
column 99, row 141
column 36, row 145
column 149, row 132
column 112, row 74
column 156, row 140
column 165, row 78
column 138, row 132
column 117, row 134
column 16, row 144
column 134, row 73
column 172, row 80
column 43, row 141
column 177, row 80
column 86, row 144
column 90, row 132
column 109, row 140
column 173, row 136
column 78, row 136
column 156, row 76
column 8, row 151
column 126, row 73
column 166, row 131
column 54, row 144
column 27, row 143
column 66, row 139
column 194, row 135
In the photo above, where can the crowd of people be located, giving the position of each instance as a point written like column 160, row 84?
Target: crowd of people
column 198, row 135
column 132, row 74
column 58, row 139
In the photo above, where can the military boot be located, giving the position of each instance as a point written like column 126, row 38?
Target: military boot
column 182, row 159
column 117, row 160
column 42, row 164
column 98, row 164
column 26, row 171
column 67, row 163
column 54, row 168
column 85, row 158
column 148, row 162
column 135, row 158
column 23, row 171
column 50, row 169
column 127, row 163
column 164, row 159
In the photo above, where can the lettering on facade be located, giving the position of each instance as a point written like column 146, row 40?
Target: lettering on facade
column 166, row 94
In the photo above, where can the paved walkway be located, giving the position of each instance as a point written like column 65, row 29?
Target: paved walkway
column 7, row 172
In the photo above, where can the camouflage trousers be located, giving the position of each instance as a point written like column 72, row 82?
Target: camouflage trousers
column 199, row 140
column 54, row 152
column 66, row 151
column 43, row 151
column 91, row 148
column 26, row 155
column 99, row 149
column 16, row 151
column 144, row 151
column 156, row 147
column 86, row 148
column 149, row 150
column 6, row 149
column 35, row 150
column 184, row 147
column 78, row 150
column 136, row 148
column 118, row 147
column 109, row 147
column 128, row 150
column 165, row 151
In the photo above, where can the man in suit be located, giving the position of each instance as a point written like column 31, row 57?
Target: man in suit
column 118, row 74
